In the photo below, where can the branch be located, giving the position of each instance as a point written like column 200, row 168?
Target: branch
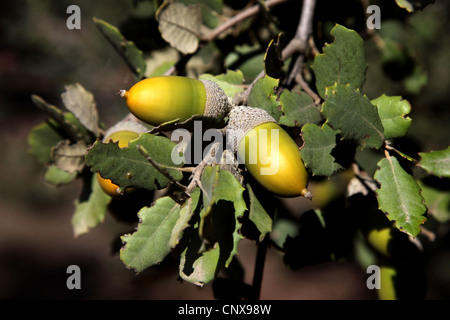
column 56, row 114
column 222, row 28
column 198, row 170
column 240, row 17
column 298, row 44
column 162, row 169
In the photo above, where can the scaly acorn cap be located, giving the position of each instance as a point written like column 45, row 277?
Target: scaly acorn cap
column 242, row 119
column 218, row 104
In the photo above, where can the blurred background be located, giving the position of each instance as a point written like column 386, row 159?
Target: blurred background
column 39, row 55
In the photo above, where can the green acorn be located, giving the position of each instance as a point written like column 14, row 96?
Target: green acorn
column 161, row 99
column 271, row 156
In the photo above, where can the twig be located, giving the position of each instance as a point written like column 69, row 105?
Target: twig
column 242, row 98
column 56, row 114
column 240, row 17
column 388, row 147
column 198, row 170
column 364, row 179
column 304, row 85
column 259, row 269
column 222, row 28
column 299, row 43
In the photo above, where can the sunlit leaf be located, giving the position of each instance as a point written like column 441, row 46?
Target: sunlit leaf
column 436, row 162
column 58, row 177
column 342, row 61
column 127, row 167
column 91, row 211
column 224, row 205
column 392, row 112
column 411, row 6
column 258, row 213
column 230, row 82
column 263, row 95
column 149, row 245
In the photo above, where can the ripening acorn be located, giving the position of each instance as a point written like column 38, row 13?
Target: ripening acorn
column 122, row 133
column 161, row 99
column 400, row 281
column 271, row 156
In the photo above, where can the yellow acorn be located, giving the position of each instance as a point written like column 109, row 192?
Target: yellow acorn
column 161, row 99
column 388, row 241
column 400, row 281
column 271, row 156
column 123, row 132
column 388, row 289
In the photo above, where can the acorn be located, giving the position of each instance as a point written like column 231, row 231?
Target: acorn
column 269, row 153
column 161, row 99
column 123, row 133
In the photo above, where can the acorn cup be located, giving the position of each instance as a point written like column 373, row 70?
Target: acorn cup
column 271, row 156
column 166, row 98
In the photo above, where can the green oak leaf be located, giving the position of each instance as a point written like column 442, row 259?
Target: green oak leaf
column 437, row 201
column 42, row 138
column 180, row 25
column 319, row 142
column 341, row 62
column 127, row 49
column 224, row 205
column 392, row 112
column 149, row 245
column 263, row 95
column 399, row 196
column 186, row 213
column 59, row 177
column 298, row 109
column 411, row 6
column 64, row 122
column 127, row 167
column 91, row 211
column 436, row 162
column 258, row 213
column 230, row 82
column 353, row 115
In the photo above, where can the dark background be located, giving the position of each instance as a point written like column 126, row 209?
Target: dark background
column 39, row 55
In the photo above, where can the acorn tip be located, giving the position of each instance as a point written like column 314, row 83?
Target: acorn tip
column 307, row 194
column 123, row 93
